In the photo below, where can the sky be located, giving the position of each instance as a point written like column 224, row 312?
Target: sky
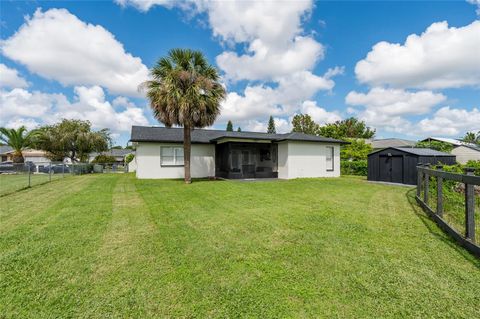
column 408, row 69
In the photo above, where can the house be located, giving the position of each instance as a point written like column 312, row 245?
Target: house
column 4, row 152
column 399, row 164
column 379, row 144
column 29, row 155
column 159, row 154
column 118, row 154
column 464, row 151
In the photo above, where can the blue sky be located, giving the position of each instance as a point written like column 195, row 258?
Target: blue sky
column 332, row 60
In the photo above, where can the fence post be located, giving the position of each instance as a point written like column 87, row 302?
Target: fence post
column 63, row 170
column 50, row 172
column 426, row 185
column 469, row 208
column 419, row 180
column 29, row 176
column 440, row 192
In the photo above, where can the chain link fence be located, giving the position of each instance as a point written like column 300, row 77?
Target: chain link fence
column 14, row 177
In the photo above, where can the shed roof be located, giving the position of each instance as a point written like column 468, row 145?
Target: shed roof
column 175, row 135
column 416, row 151
column 391, row 142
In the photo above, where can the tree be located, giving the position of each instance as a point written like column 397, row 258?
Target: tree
column 103, row 159
column 356, row 150
column 271, row 126
column 18, row 139
column 471, row 137
column 239, row 129
column 229, row 126
column 348, row 128
column 73, row 139
column 436, row 145
column 185, row 90
column 303, row 123
column 129, row 158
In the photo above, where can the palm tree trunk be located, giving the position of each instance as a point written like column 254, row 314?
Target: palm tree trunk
column 187, row 146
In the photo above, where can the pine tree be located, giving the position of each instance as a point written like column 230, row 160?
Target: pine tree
column 229, row 126
column 271, row 126
column 239, row 129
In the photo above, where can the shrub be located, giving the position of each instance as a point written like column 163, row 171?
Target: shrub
column 129, row 158
column 354, row 167
column 104, row 159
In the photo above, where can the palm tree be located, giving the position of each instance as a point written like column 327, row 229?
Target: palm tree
column 469, row 137
column 18, row 139
column 185, row 91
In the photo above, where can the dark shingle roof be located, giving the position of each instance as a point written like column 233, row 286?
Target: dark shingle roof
column 416, row 151
column 5, row 149
column 391, row 142
column 175, row 135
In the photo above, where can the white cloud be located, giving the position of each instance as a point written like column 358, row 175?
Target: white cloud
column 265, row 63
column 386, row 109
column 20, row 106
column 477, row 3
column 319, row 114
column 261, row 101
column 10, row 78
column 441, row 57
column 281, row 125
column 145, row 5
column 395, row 101
column 57, row 45
column 451, row 122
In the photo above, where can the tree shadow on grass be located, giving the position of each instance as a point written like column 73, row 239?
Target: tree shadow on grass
column 436, row 231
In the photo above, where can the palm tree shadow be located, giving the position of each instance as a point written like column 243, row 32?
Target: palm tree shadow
column 436, row 231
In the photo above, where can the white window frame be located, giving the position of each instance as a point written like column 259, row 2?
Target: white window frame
column 178, row 160
column 330, row 152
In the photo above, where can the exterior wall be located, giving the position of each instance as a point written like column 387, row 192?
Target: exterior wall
column 148, row 161
column 283, row 160
column 306, row 159
column 465, row 154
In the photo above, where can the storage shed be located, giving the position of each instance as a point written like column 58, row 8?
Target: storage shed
column 398, row 165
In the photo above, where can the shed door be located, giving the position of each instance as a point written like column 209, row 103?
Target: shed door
column 391, row 169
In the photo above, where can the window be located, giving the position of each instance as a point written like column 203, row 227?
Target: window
column 171, row 156
column 329, row 158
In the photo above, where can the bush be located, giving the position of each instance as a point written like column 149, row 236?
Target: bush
column 354, row 167
column 103, row 159
column 129, row 158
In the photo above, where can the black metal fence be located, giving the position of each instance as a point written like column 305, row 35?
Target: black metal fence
column 14, row 177
column 453, row 202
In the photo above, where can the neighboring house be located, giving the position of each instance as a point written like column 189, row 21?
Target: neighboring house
column 4, row 151
column 399, row 164
column 379, row 144
column 29, row 155
column 464, row 151
column 159, row 154
column 119, row 155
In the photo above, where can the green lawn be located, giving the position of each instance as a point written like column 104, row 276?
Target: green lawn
column 111, row 246
column 10, row 183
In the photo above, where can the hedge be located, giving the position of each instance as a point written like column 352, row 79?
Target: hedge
column 358, row 167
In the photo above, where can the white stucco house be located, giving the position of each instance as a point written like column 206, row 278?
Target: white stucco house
column 234, row 155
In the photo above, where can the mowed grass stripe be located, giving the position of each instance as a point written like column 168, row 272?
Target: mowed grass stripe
column 20, row 207
column 47, row 275
column 132, row 270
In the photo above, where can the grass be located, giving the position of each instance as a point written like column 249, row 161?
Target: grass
column 112, row 246
column 10, row 183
